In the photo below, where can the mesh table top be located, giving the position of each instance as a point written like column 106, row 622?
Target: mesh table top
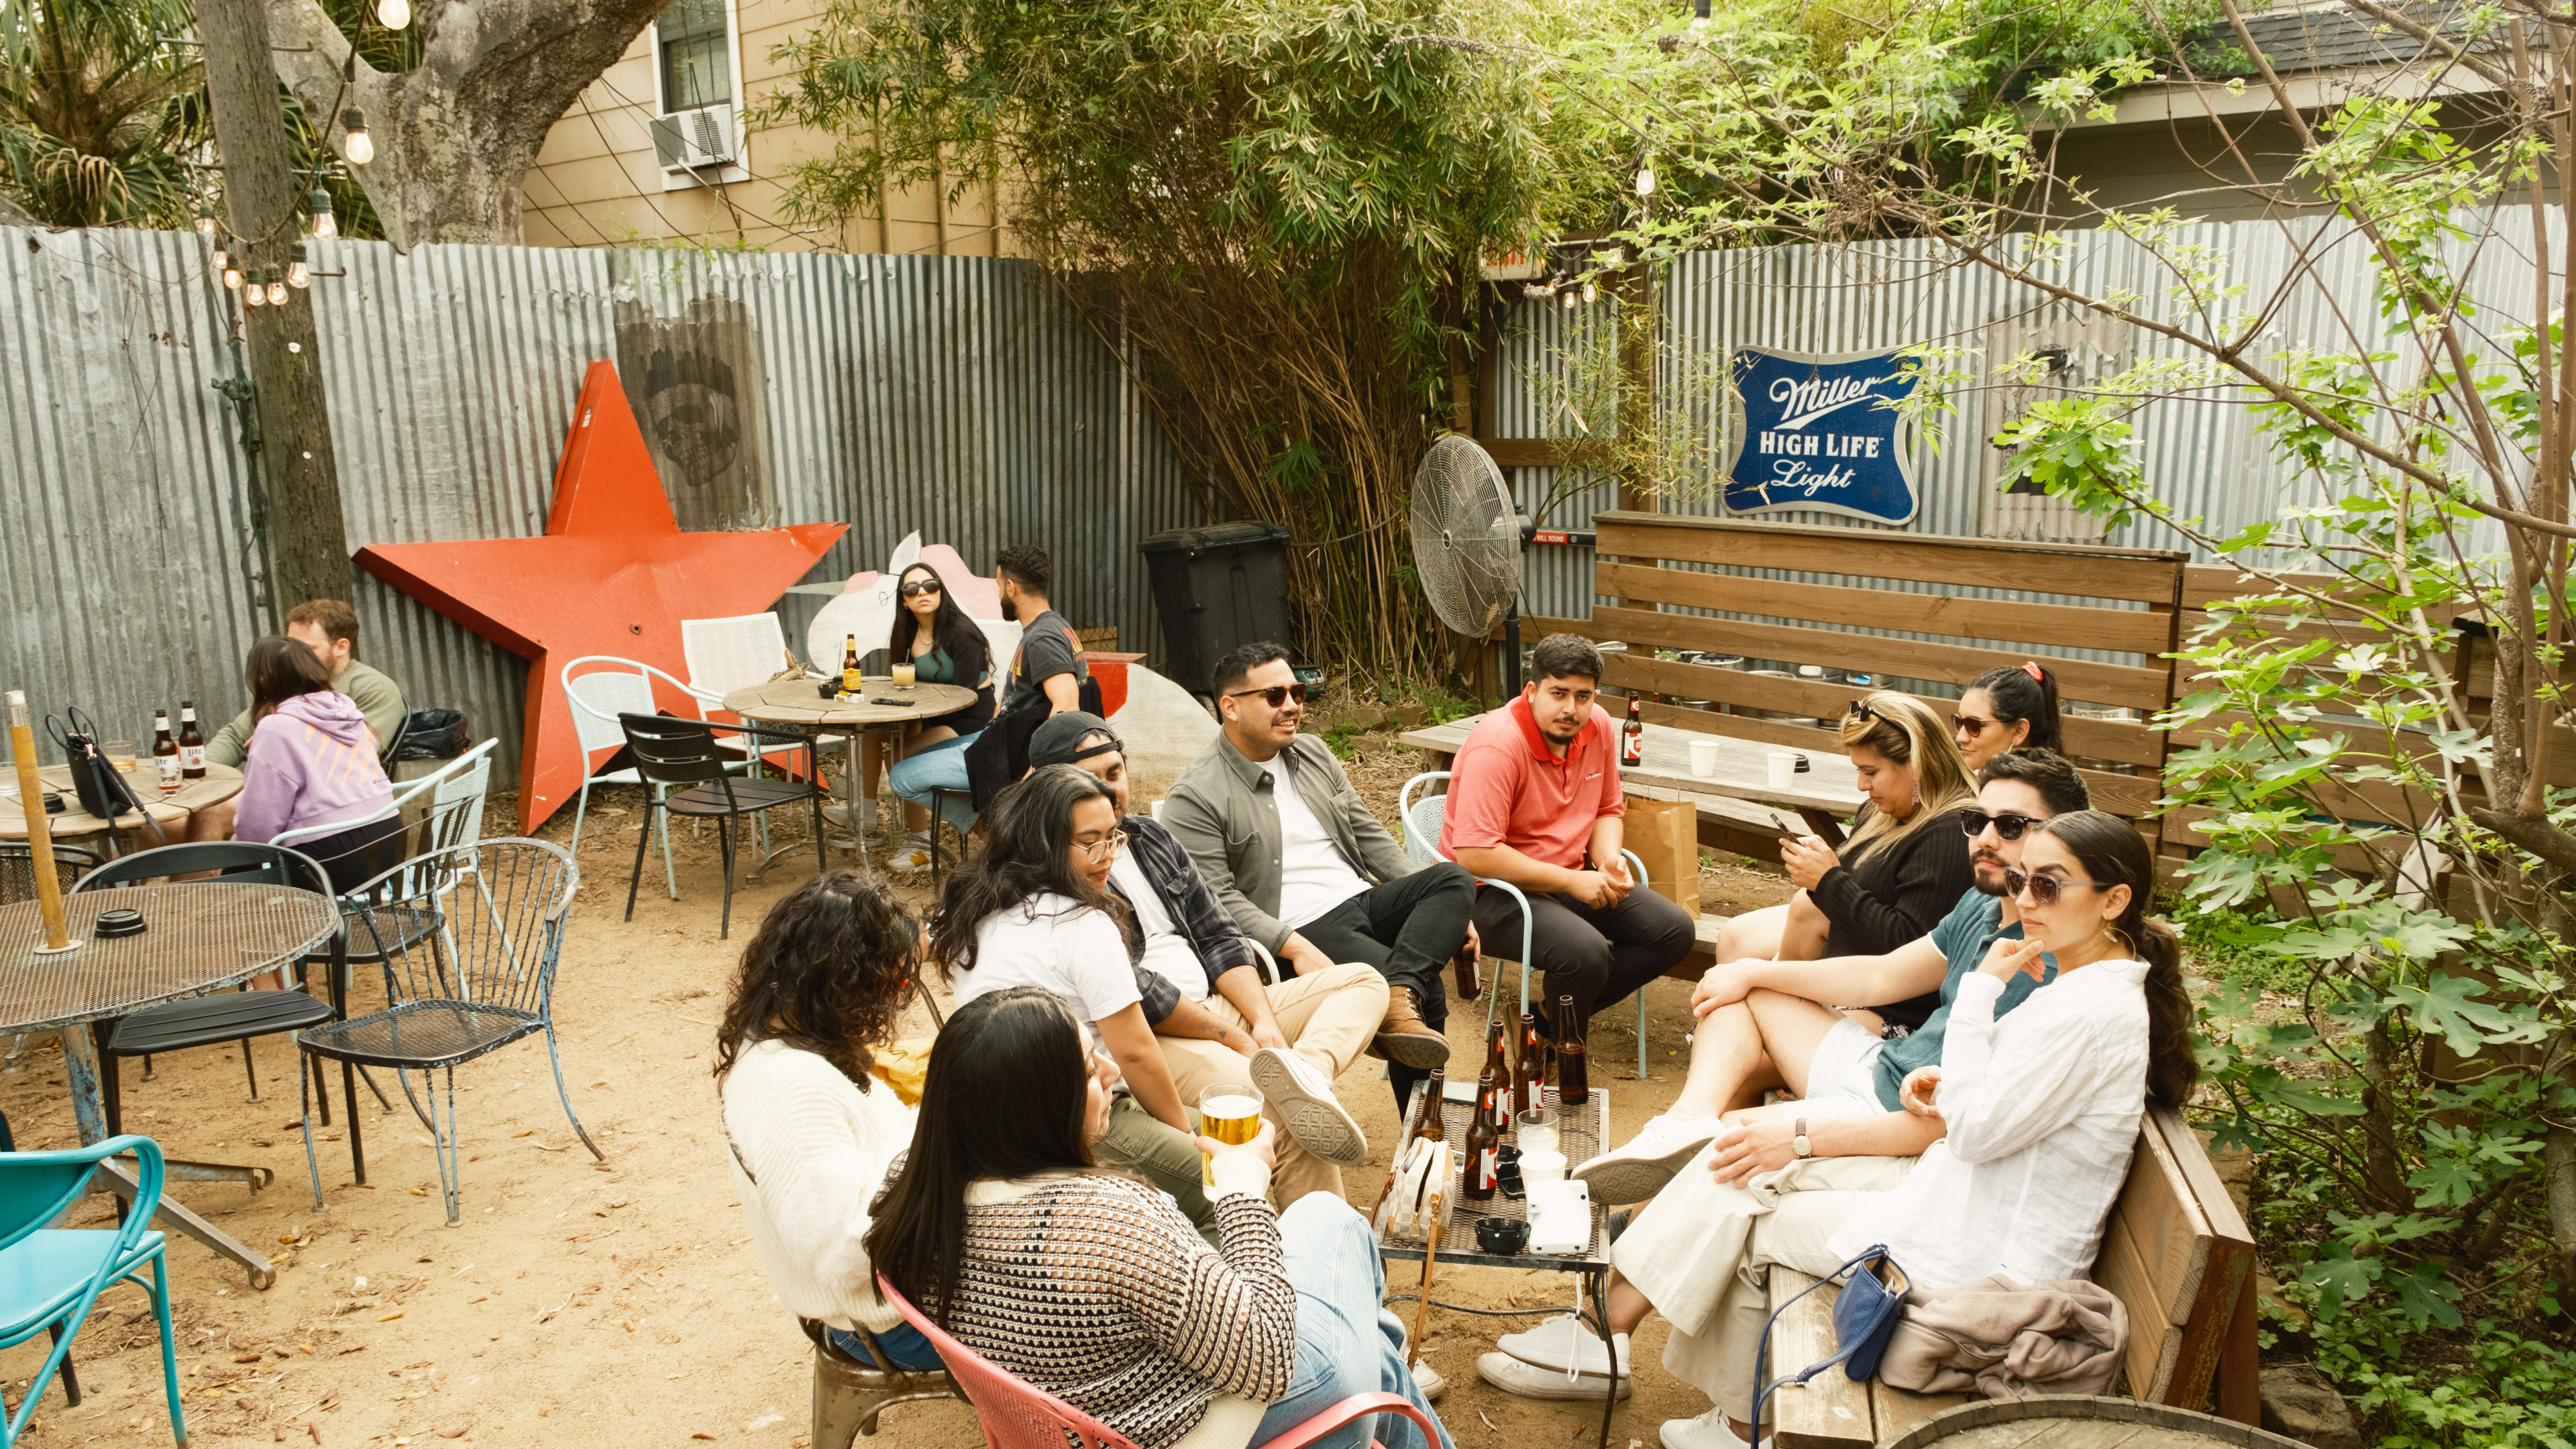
column 1580, row 1134
column 198, row 936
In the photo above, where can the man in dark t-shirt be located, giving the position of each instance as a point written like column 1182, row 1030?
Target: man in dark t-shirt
column 1049, row 659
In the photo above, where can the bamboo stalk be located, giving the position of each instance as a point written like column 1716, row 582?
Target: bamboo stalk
column 40, row 829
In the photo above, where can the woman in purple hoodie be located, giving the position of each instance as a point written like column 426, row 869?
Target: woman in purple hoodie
column 312, row 762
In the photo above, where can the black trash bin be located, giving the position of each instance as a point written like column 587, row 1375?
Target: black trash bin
column 1216, row 588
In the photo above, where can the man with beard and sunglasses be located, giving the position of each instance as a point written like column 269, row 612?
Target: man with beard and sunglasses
column 1288, row 846
column 1763, row 1024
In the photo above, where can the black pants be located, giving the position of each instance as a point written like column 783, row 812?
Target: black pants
column 1408, row 929
column 1599, row 957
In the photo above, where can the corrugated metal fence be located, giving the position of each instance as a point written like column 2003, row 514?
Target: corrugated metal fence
column 957, row 396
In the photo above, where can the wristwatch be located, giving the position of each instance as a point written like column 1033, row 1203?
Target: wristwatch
column 1798, row 1142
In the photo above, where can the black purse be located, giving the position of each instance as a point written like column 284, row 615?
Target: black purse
column 1864, row 1320
column 100, row 786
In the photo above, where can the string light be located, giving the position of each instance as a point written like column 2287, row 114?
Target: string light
column 298, row 274
column 1646, row 178
column 276, row 287
column 233, row 277
column 223, row 256
column 355, row 143
column 325, row 225
column 395, row 14
column 205, row 220
column 254, row 291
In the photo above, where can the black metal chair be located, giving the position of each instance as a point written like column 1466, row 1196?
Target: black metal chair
column 222, row 1016
column 468, row 938
column 18, row 870
column 685, row 755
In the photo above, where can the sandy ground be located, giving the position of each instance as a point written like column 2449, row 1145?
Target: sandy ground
column 617, row 1302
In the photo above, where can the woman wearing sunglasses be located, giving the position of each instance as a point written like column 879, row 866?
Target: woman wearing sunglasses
column 944, row 646
column 2013, row 707
column 1904, row 867
column 1033, row 908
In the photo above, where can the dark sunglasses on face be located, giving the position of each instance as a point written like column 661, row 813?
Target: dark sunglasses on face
column 2044, row 890
column 1274, row 694
column 2008, row 826
column 917, row 588
column 1968, row 724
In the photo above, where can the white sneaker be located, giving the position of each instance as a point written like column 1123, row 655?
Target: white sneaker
column 1531, row 1382
column 1638, row 1168
column 1428, row 1379
column 1304, row 1097
column 1708, row 1431
column 913, row 855
column 1564, row 1344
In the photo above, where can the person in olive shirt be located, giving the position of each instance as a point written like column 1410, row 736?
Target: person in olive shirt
column 329, row 628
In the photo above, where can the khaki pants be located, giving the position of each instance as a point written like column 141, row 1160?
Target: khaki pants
column 1137, row 1141
column 1329, row 1018
column 1702, row 1253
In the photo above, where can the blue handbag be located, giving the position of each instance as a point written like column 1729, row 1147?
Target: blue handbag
column 1864, row 1320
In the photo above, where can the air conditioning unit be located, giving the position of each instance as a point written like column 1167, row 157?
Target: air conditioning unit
column 695, row 140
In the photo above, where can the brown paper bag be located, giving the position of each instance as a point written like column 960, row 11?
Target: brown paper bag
column 1665, row 835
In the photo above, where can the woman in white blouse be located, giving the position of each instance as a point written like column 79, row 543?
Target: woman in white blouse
column 2041, row 1114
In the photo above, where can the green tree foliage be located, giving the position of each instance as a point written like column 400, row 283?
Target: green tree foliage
column 98, row 110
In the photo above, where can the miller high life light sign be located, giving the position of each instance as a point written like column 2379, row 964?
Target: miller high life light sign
column 1822, row 433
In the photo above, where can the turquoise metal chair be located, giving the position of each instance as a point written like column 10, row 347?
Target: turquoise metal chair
column 51, row 1277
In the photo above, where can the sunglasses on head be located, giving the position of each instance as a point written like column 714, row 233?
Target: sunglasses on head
column 917, row 588
column 1858, row 710
column 2044, row 890
column 1274, row 694
column 2008, row 826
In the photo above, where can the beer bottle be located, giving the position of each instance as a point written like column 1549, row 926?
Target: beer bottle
column 1572, row 1089
column 1484, row 1145
column 165, row 751
column 192, row 745
column 851, row 680
column 1495, row 1061
column 1432, row 1128
column 1470, row 981
column 1632, row 745
column 1529, row 1078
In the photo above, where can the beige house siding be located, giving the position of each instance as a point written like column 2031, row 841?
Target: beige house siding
column 596, row 182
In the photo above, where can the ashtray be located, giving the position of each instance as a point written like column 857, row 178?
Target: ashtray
column 1801, row 767
column 1502, row 1235
column 53, row 803
column 123, row 921
column 827, row 691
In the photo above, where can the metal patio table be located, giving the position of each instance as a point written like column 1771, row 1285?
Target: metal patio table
column 198, row 937
column 1582, row 1133
column 798, row 704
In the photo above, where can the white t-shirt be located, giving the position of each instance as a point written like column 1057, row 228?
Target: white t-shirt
column 1166, row 950
column 1058, row 943
column 1313, row 877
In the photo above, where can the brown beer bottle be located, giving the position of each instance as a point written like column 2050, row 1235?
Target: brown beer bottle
column 852, row 682
column 1495, row 1061
column 165, row 751
column 1463, row 966
column 1529, row 1078
column 192, row 745
column 1484, row 1145
column 1432, row 1129
column 1571, row 1087
column 1632, row 744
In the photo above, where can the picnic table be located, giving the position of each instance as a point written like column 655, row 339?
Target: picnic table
column 198, row 937
column 170, row 812
column 1823, row 795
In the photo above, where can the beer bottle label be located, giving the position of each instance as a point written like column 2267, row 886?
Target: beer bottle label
column 169, row 767
column 1487, row 1172
column 192, row 758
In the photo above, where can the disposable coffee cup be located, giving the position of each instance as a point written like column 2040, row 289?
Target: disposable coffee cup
column 1704, row 759
column 1784, row 768
column 1542, row 1167
column 1157, row 808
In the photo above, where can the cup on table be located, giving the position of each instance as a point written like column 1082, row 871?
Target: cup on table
column 1230, row 1112
column 905, row 674
column 1157, row 810
column 1704, row 759
column 1547, row 1166
column 1534, row 1129
column 120, row 755
column 1784, row 768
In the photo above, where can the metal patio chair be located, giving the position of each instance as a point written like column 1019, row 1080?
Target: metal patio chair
column 685, row 755
column 483, row 978
column 18, row 870
column 55, row 1275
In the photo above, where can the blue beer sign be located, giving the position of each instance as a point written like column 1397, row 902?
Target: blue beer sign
column 1822, row 433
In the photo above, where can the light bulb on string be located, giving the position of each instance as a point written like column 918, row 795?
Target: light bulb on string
column 223, row 256
column 1571, row 297
column 325, row 225
column 355, row 144
column 205, row 220
column 299, row 274
column 1590, row 293
column 232, row 278
column 276, row 287
column 254, row 291
column 394, row 14
column 1646, row 178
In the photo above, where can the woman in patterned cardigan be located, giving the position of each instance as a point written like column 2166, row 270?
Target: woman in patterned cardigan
column 1092, row 1286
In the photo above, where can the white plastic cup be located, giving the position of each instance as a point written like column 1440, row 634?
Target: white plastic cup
column 1542, row 1167
column 1157, row 809
column 1784, row 768
column 1704, row 759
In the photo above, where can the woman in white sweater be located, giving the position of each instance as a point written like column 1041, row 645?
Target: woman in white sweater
column 2041, row 1114
column 811, row 1132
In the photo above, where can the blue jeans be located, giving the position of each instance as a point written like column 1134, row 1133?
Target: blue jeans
column 903, row 1344
column 1346, row 1339
column 942, row 765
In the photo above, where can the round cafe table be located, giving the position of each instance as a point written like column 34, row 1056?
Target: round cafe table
column 800, row 704
column 198, row 937
column 170, row 812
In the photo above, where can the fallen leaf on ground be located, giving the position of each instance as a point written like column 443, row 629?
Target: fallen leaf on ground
column 355, row 1348
column 389, row 1317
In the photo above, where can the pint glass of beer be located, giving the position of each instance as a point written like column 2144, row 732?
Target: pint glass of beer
column 1230, row 1112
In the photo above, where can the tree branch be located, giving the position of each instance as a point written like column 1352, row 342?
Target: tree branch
column 2537, row 836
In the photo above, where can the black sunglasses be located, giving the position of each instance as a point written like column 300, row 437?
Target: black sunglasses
column 1274, row 694
column 2008, row 826
column 1968, row 724
column 1859, row 710
column 2044, row 889
column 918, row 587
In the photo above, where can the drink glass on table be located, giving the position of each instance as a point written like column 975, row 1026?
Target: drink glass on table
column 905, row 674
column 1230, row 1112
column 1534, row 1128
column 120, row 755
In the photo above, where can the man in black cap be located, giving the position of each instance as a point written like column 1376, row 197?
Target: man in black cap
column 1292, row 1038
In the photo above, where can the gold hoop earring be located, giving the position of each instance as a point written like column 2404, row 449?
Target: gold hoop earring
column 2122, row 937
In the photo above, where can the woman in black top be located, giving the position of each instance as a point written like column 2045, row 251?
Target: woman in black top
column 944, row 646
column 2011, row 707
column 1904, row 867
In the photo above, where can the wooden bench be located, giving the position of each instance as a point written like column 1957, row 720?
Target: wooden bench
column 2175, row 1250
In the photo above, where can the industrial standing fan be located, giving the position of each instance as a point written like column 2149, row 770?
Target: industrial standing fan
column 1467, row 541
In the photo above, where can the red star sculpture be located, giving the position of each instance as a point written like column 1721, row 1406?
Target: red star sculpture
column 612, row 575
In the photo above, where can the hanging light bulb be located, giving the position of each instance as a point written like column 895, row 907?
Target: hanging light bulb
column 223, row 256
column 394, row 13
column 205, row 220
column 1590, row 293
column 277, row 286
column 233, row 277
column 254, row 291
column 298, row 274
column 355, row 144
column 325, row 225
column 1645, row 178
column 1571, row 297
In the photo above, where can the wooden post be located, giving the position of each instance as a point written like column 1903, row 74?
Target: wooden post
column 306, row 533
column 1635, row 290
column 40, row 830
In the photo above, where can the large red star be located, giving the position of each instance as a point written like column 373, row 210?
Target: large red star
column 612, row 575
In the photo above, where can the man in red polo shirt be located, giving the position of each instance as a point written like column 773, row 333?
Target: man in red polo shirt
column 1534, row 800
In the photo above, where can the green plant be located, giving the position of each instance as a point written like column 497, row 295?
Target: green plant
column 99, row 107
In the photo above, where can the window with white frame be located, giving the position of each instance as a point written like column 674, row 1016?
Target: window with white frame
column 697, row 75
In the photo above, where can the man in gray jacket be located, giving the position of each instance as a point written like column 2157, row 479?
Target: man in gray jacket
column 1307, row 871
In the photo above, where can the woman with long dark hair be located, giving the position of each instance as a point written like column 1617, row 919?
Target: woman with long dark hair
column 810, row 1133
column 1001, row 1228
column 312, row 762
column 2040, row 1111
column 944, row 645
column 2010, row 707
